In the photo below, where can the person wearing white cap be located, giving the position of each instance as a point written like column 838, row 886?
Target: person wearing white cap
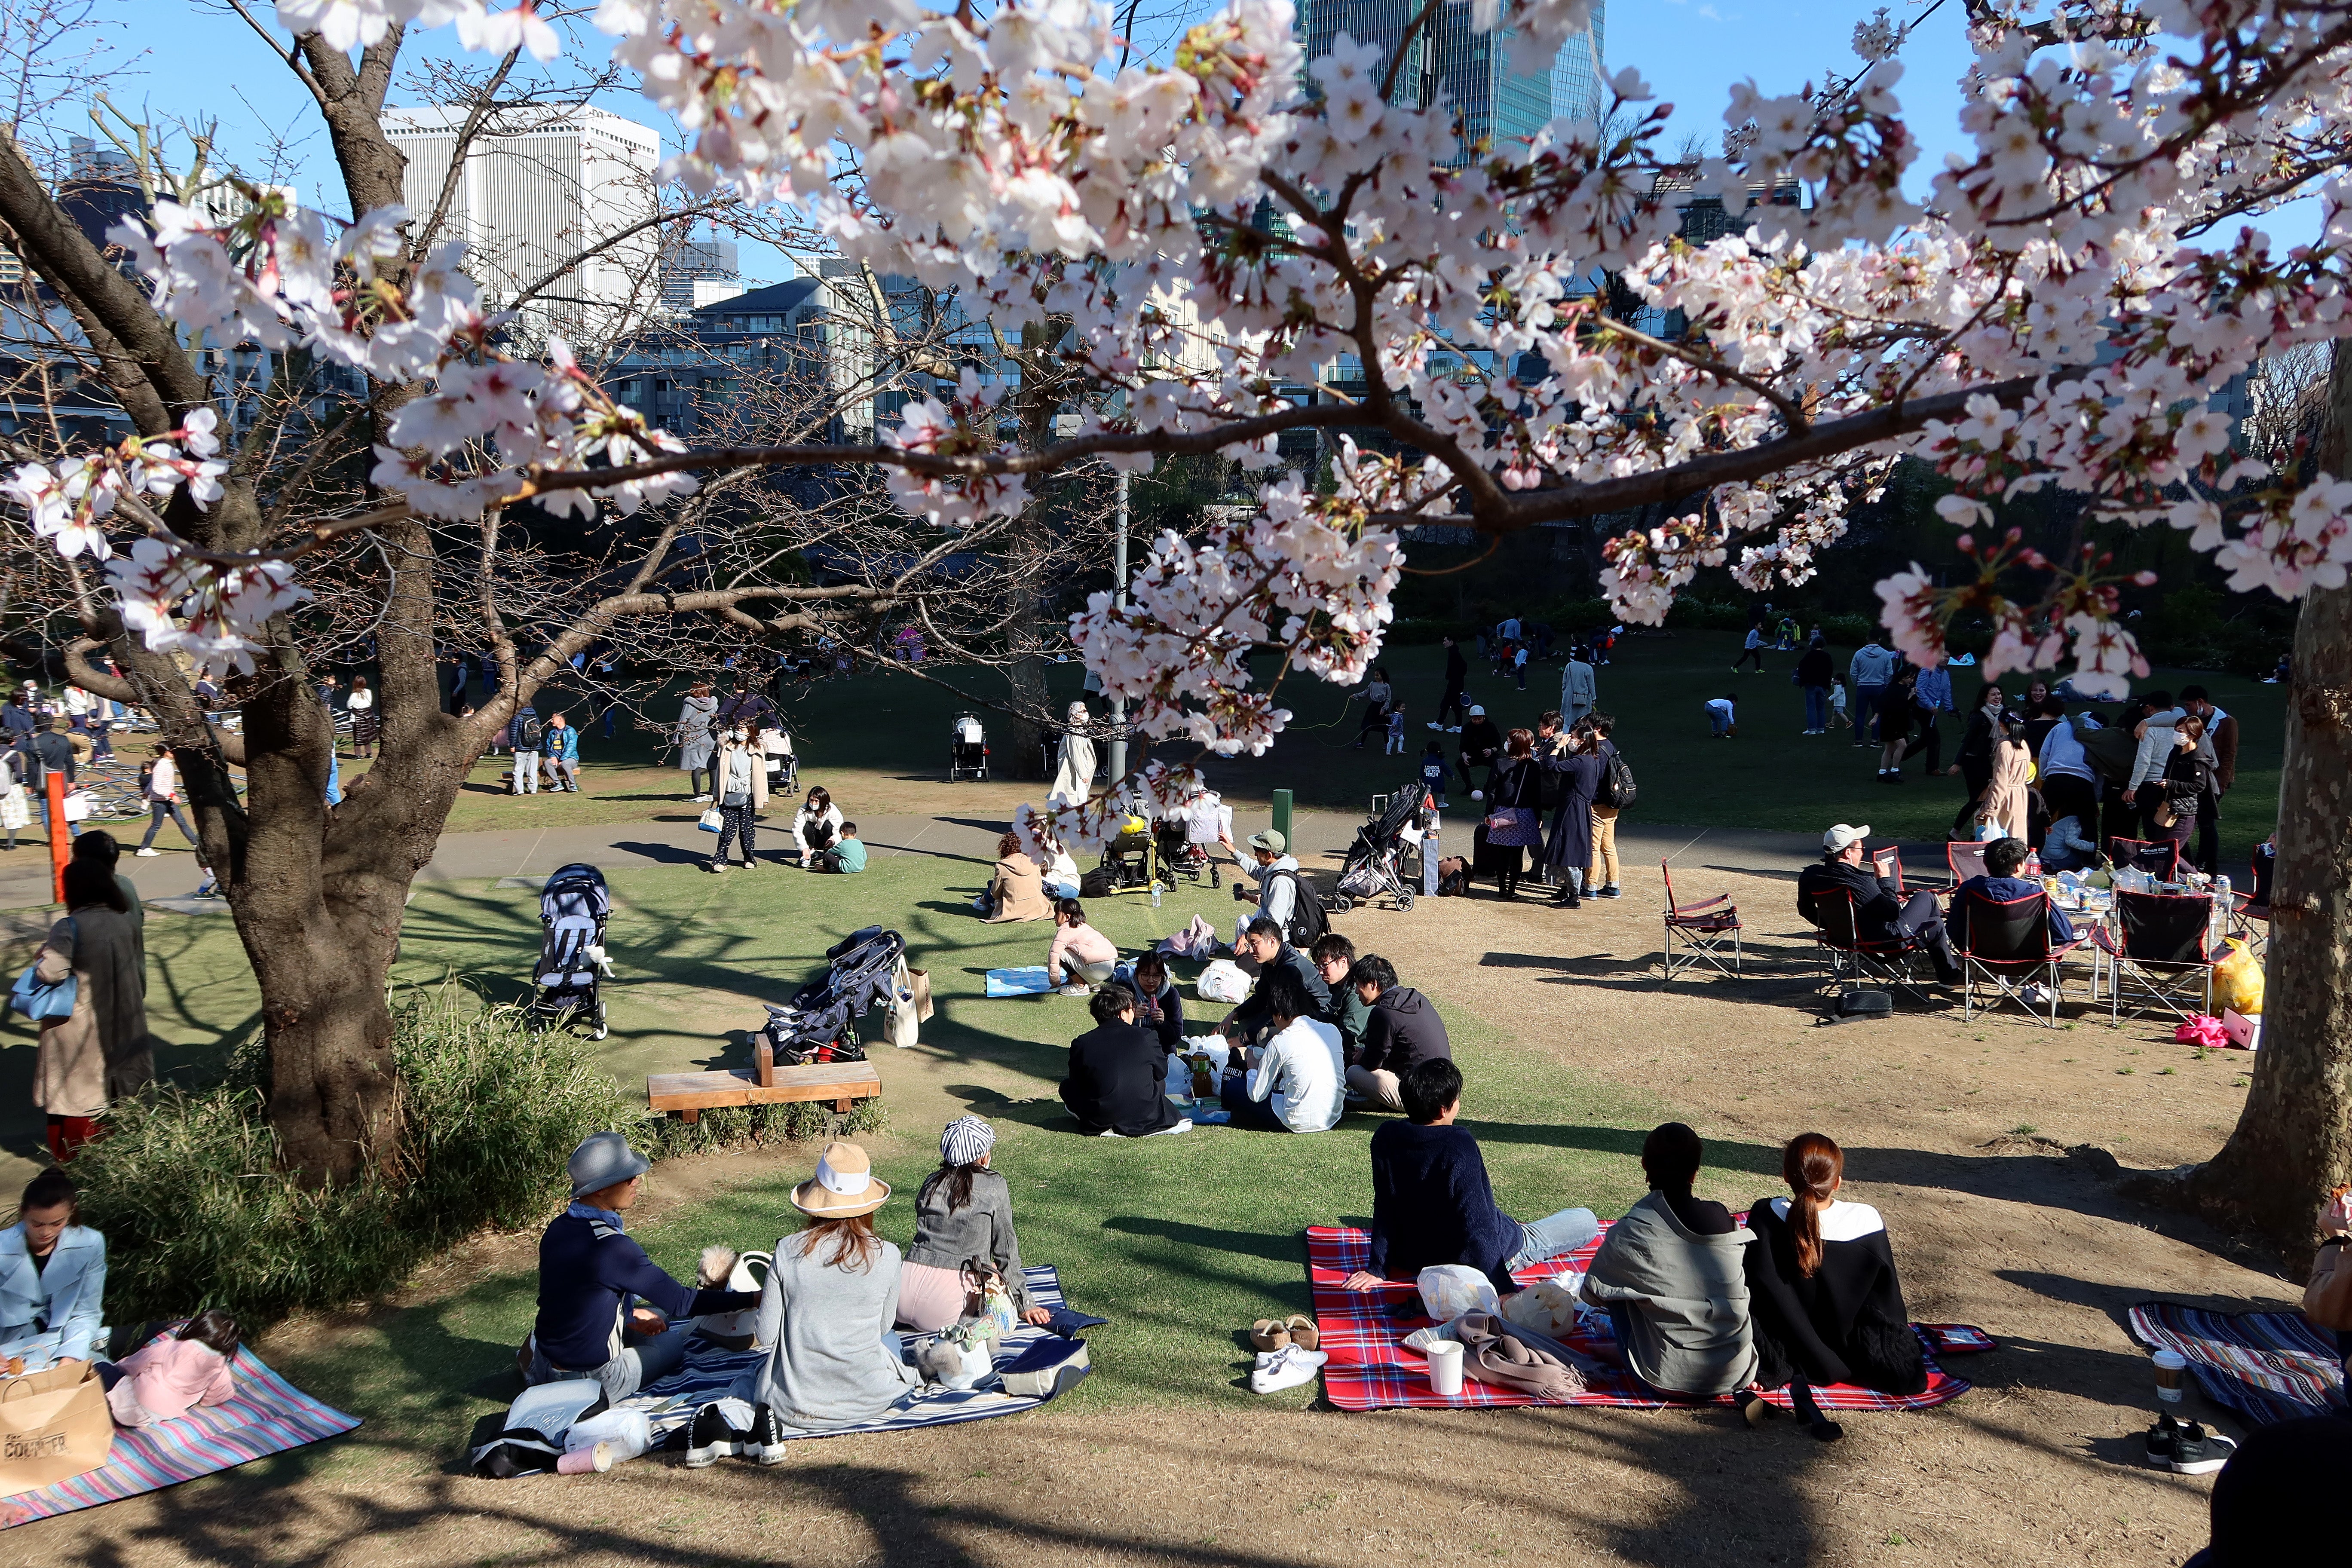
column 826, row 1311
column 589, row 1272
column 1881, row 911
column 964, row 1210
column 1482, row 747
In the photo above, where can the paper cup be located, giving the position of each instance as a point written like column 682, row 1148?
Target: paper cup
column 1446, row 1366
column 586, row 1462
column 2171, row 1375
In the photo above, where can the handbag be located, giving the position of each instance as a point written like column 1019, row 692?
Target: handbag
column 44, row 1001
column 711, row 821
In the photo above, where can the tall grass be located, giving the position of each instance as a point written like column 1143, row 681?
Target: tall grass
column 190, row 1189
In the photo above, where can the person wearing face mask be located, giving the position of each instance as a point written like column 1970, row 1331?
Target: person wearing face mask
column 742, row 787
column 1976, row 757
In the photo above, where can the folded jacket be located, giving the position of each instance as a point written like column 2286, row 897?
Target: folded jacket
column 1491, row 1354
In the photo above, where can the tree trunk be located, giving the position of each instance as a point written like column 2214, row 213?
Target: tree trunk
column 2293, row 1146
column 1032, row 741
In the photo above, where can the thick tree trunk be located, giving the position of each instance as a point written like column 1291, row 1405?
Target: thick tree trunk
column 2293, row 1144
column 1032, row 743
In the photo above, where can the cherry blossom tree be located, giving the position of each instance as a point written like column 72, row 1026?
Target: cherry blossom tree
column 2051, row 309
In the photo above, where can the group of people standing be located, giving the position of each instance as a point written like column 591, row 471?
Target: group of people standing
column 1567, row 770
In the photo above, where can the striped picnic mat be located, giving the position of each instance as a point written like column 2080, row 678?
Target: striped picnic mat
column 2267, row 1366
column 1372, row 1369
column 709, row 1374
column 267, row 1415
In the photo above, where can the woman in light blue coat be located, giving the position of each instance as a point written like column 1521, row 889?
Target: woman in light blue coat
column 52, row 1277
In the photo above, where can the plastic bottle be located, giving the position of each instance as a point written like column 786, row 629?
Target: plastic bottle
column 1155, row 895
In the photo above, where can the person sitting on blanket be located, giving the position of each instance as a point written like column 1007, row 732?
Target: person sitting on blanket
column 964, row 1210
column 589, row 1271
column 2003, row 859
column 1117, row 1081
column 1158, row 1007
column 168, row 1377
column 1253, row 1021
column 52, row 1277
column 826, row 1311
column 1402, row 1031
column 1671, row 1277
column 1432, row 1203
column 1293, row 1082
column 1091, row 956
column 1015, row 890
column 1823, row 1303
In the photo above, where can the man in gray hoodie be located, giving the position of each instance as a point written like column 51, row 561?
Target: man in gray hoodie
column 1671, row 1277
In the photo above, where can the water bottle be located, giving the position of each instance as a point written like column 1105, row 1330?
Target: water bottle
column 1155, row 895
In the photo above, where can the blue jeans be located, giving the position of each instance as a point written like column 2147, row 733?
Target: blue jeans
column 1867, row 699
column 1817, row 707
column 644, row 1361
column 1554, row 1237
column 1719, row 722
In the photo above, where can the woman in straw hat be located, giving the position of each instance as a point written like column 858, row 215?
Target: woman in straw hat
column 827, row 1310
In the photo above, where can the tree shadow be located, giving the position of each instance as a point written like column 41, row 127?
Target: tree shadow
column 666, row 854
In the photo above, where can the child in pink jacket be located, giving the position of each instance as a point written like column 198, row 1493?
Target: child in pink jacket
column 165, row 1378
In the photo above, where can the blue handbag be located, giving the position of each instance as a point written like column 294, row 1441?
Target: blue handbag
column 39, row 1000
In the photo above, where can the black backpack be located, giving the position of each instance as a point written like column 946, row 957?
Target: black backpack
column 1617, row 786
column 527, row 733
column 1308, row 918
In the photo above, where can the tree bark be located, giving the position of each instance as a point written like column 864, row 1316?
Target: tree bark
column 2293, row 1144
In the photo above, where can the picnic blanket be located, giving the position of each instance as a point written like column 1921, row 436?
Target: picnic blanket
column 1029, row 982
column 2266, row 1366
column 1372, row 1369
column 267, row 1415
column 710, row 1372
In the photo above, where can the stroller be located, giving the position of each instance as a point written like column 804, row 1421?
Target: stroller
column 1187, row 836
column 1130, row 862
column 820, row 1022
column 967, row 749
column 1372, row 868
column 783, row 766
column 574, row 907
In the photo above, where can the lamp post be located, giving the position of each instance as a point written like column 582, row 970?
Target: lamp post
column 1119, row 589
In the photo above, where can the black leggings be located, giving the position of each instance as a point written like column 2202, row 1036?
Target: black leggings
column 702, row 781
column 1375, row 718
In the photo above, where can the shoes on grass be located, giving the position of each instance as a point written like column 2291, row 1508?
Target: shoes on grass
column 762, row 1445
column 711, row 1438
column 1286, row 1368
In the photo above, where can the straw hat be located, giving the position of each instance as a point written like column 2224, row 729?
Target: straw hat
column 845, row 1186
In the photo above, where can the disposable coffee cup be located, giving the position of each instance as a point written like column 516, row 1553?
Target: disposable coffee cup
column 586, row 1462
column 1446, row 1366
column 2171, row 1374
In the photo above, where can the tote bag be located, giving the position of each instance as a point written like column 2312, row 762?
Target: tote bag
column 40, row 1000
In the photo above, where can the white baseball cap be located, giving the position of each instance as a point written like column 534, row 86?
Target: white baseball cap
column 1838, row 838
column 1475, row 712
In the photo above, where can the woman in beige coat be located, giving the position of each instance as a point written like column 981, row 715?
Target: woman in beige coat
column 2004, row 805
column 1017, row 892
column 740, row 783
column 101, row 1052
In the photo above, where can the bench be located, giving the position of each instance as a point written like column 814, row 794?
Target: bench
column 764, row 1083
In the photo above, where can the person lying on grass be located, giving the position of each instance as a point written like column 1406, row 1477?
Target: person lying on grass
column 1432, row 1203
column 1292, row 1083
column 963, row 1211
column 590, row 1271
column 1671, row 1277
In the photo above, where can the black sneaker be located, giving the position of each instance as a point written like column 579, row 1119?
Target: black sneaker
column 711, row 1438
column 761, row 1446
column 2163, row 1440
column 2198, row 1452
column 1825, row 1430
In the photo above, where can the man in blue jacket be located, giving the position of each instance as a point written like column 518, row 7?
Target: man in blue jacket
column 2003, row 858
column 589, row 1272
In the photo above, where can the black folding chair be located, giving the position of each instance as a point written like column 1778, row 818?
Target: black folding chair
column 2159, row 858
column 2253, row 907
column 2008, row 946
column 1849, row 959
column 2161, row 946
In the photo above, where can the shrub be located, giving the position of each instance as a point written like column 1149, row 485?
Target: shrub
column 189, row 1189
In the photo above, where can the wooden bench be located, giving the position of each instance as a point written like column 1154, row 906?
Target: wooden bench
column 764, row 1083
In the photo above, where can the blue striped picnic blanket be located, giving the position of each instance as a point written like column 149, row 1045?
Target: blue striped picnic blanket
column 267, row 1415
column 2267, row 1366
column 1029, row 982
column 710, row 1372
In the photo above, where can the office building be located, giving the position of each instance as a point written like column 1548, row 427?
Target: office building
column 1494, row 101
column 541, row 189
column 698, row 272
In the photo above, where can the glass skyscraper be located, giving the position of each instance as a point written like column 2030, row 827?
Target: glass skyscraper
column 1496, row 102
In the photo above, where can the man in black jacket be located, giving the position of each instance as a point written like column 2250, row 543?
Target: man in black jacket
column 1880, row 913
column 1119, row 1072
column 1261, row 941
column 1482, row 747
column 1401, row 1032
column 57, row 755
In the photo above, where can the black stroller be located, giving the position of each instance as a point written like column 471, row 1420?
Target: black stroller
column 820, row 1022
column 967, row 749
column 1372, row 868
column 573, row 906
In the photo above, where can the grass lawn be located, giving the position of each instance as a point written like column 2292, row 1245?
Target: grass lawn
column 1179, row 1241
column 879, row 742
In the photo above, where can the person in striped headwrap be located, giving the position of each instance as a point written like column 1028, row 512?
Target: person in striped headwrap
column 964, row 1212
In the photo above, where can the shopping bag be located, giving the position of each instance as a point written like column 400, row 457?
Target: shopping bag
column 79, row 804
column 53, row 1426
column 919, row 982
column 712, row 822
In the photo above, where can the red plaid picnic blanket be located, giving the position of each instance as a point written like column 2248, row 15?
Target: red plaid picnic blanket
column 1373, row 1369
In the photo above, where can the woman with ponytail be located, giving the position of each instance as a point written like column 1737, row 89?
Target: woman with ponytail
column 1822, row 1295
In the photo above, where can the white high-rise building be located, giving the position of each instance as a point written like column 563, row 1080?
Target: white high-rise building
column 540, row 189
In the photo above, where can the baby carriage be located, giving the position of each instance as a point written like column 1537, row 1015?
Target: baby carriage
column 784, row 767
column 1187, row 836
column 967, row 749
column 820, row 1022
column 1372, row 868
column 574, row 907
column 1130, row 862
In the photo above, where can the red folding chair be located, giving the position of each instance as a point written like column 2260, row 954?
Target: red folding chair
column 2008, row 946
column 1700, row 931
column 1886, row 865
column 2253, row 907
column 1966, row 858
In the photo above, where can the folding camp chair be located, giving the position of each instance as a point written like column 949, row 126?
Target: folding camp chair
column 1966, row 858
column 1849, row 958
column 2161, row 945
column 2008, row 946
column 1886, row 865
column 2253, row 907
column 1700, row 929
column 2159, row 858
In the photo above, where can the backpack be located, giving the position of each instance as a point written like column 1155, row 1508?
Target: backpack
column 1617, row 787
column 1308, row 918
column 526, row 733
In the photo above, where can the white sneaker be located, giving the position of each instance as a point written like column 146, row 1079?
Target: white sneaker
column 147, row 854
column 1286, row 1368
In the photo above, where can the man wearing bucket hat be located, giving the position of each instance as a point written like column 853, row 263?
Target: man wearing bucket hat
column 827, row 1310
column 590, row 1271
column 1881, row 911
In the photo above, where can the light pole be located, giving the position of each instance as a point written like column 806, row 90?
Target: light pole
column 1119, row 589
